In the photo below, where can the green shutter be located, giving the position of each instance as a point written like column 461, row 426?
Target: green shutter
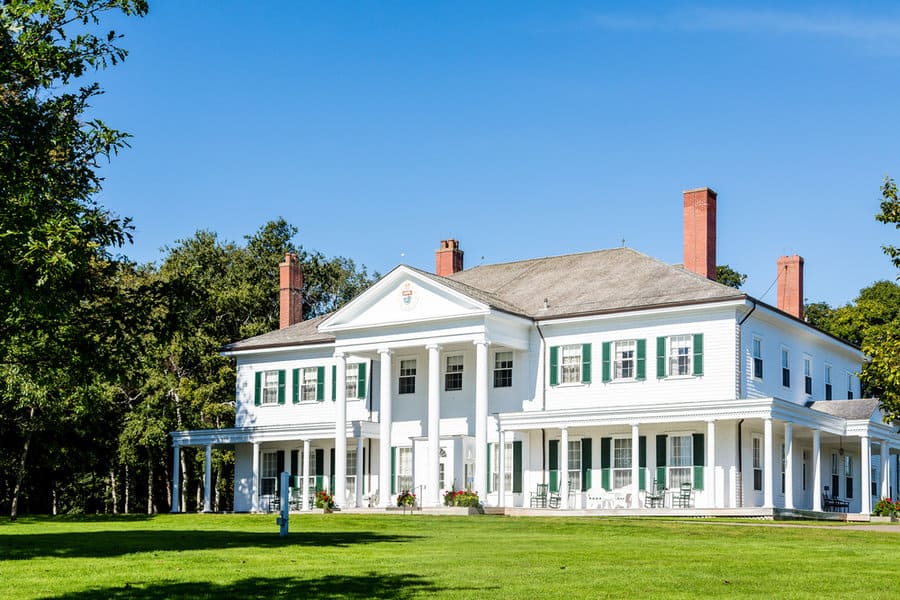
column 554, row 365
column 517, row 467
column 393, row 470
column 554, row 465
column 490, row 473
column 641, row 359
column 281, row 386
column 295, row 386
column 320, row 384
column 333, row 383
column 606, row 376
column 361, row 381
column 642, row 462
column 660, row 357
column 661, row 441
column 698, row 354
column 258, row 393
column 585, row 363
column 698, row 461
column 605, row 444
column 586, row 464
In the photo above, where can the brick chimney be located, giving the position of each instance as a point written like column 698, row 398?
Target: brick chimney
column 448, row 258
column 290, row 297
column 790, row 285
column 700, row 232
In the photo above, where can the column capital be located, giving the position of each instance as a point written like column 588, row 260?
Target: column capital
column 385, row 351
column 481, row 342
column 339, row 355
column 432, row 346
column 710, row 421
column 564, row 428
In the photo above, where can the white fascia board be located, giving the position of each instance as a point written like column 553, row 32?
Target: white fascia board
column 388, row 324
column 277, row 350
column 861, row 427
column 399, row 341
column 273, row 433
column 644, row 312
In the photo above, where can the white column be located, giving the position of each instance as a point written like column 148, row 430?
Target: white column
column 789, row 465
column 768, row 470
column 340, row 431
column 885, row 470
column 817, row 470
column 433, row 476
column 359, row 470
column 501, row 465
column 305, row 489
column 176, row 477
column 207, row 480
column 481, row 412
column 384, row 430
column 254, row 480
column 635, row 466
column 865, row 466
column 564, row 467
column 711, row 464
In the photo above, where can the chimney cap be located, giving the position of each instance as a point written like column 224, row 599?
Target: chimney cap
column 708, row 190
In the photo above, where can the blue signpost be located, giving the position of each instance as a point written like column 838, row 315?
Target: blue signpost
column 285, row 493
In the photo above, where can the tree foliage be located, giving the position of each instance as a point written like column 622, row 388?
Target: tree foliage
column 890, row 213
column 728, row 276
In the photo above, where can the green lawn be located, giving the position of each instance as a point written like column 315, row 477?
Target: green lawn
column 416, row 556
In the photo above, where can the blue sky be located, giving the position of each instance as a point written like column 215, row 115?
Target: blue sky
column 523, row 129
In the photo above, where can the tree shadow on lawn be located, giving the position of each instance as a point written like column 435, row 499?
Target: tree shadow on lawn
column 105, row 544
column 372, row 585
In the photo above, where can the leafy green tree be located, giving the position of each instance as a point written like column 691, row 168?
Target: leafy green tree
column 728, row 276
column 890, row 213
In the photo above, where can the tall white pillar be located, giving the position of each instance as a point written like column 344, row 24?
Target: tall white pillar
column 711, row 487
column 433, row 477
column 501, row 465
column 865, row 466
column 885, row 470
column 207, row 480
column 768, row 470
column 359, row 471
column 384, row 430
column 481, row 413
column 340, row 431
column 254, row 482
column 817, row 470
column 789, row 465
column 176, row 477
column 305, row 488
column 635, row 466
column 564, row 467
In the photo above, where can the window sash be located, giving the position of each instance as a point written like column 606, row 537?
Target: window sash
column 404, row 469
column 503, row 362
column 680, row 353
column 570, row 365
column 309, row 386
column 621, row 467
column 507, row 466
column 407, row 383
column 757, row 358
column 453, row 375
column 351, row 381
column 624, row 359
column 269, row 390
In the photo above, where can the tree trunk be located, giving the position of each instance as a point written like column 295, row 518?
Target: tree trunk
column 53, row 498
column 150, row 507
column 184, row 483
column 20, row 473
column 112, row 487
column 126, row 488
column 168, row 477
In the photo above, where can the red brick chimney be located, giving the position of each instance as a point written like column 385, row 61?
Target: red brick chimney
column 291, row 295
column 790, row 285
column 448, row 258
column 700, row 232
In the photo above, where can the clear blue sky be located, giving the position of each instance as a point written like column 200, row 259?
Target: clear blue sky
column 523, row 129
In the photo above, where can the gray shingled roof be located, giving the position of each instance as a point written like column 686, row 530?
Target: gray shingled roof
column 847, row 409
column 304, row 332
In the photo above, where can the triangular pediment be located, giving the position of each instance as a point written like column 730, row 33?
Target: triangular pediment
column 404, row 295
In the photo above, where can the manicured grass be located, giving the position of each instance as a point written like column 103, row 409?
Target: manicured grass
column 416, row 556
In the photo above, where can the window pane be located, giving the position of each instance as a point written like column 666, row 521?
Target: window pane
column 503, row 369
column 352, row 381
column 453, row 373
column 624, row 359
column 571, row 364
column 407, row 376
column 270, row 387
column 308, row 389
column 680, row 354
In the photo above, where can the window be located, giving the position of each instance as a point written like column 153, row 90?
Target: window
column 783, row 462
column 807, row 375
column 681, row 452
column 507, row 466
column 849, row 386
column 407, row 377
column 350, row 484
column 623, row 361
column 310, row 383
column 757, row 463
column 351, row 383
column 269, row 391
column 404, row 468
column 621, row 462
column 503, row 362
column 453, row 373
column 785, row 367
column 570, row 364
column 805, row 467
column 574, row 464
column 835, row 476
column 828, row 384
column 269, row 473
column 680, row 355
column 757, row 358
column 570, row 369
column 848, row 475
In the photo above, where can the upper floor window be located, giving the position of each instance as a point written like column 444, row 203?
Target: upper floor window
column 407, row 376
column 849, row 386
column 310, row 385
column 828, row 382
column 807, row 375
column 624, row 359
column 757, row 358
column 785, row 367
column 570, row 364
column 269, row 387
column 570, row 369
column 503, row 362
column 679, row 355
column 453, row 374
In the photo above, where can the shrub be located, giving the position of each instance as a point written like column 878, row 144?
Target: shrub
column 461, row 498
column 886, row 508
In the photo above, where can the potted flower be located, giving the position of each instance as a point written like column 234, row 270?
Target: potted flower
column 406, row 499
column 464, row 498
column 887, row 508
column 324, row 500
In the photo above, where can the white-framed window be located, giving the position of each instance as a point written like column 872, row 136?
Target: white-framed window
column 848, row 476
column 351, row 382
column 783, row 463
column 757, row 357
column 681, row 460
column 785, row 367
column 503, row 365
column 268, row 473
column 680, row 353
column 828, row 388
column 570, row 364
column 574, row 466
column 805, row 468
column 309, row 384
column 407, row 383
column 621, row 462
column 269, row 390
column 624, row 358
column 756, row 448
column 507, row 467
column 849, row 386
column 835, row 475
column 453, row 372
column 807, row 375
column 350, row 485
column 404, row 468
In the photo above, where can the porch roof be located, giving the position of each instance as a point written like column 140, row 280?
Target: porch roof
column 271, row 433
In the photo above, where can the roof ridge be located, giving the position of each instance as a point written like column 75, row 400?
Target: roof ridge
column 539, row 258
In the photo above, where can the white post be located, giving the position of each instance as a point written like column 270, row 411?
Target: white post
column 340, row 431
column 176, row 476
column 865, row 465
column 433, row 477
column 254, row 483
column 481, row 413
column 305, row 490
column 817, row 470
column 635, row 467
column 768, row 470
column 564, row 467
column 359, row 471
column 384, row 431
column 789, row 465
column 207, row 480
column 501, row 467
column 711, row 499
column 885, row 470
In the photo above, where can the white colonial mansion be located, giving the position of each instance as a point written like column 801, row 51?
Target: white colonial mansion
column 607, row 374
